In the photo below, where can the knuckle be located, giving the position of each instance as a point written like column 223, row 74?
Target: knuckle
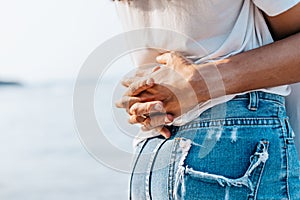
column 132, row 120
column 125, row 102
column 132, row 88
column 119, row 104
column 132, row 109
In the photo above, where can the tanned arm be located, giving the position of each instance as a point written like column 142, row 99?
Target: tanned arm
column 268, row 66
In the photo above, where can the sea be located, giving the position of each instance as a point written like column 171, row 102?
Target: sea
column 42, row 156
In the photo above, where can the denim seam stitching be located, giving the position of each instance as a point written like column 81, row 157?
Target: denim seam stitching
column 287, row 174
column 286, row 156
column 238, row 118
column 224, row 122
column 171, row 169
column 268, row 100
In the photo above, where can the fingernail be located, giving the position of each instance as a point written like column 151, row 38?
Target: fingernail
column 166, row 134
column 158, row 107
column 167, row 119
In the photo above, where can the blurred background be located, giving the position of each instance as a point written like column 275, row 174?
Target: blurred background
column 43, row 44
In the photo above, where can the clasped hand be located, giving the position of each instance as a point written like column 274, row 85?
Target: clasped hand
column 154, row 98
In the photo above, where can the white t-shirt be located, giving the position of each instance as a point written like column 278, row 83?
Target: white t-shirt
column 222, row 28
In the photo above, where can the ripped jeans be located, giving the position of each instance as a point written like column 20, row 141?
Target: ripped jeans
column 242, row 149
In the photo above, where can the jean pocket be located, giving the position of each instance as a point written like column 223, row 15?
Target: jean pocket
column 193, row 184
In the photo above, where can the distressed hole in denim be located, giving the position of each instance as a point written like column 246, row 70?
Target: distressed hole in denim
column 210, row 133
column 213, row 135
column 227, row 193
column 185, row 145
column 258, row 159
column 234, row 135
column 219, row 133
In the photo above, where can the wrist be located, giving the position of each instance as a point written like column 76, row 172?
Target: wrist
column 207, row 81
column 197, row 81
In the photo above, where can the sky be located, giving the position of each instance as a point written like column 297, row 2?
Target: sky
column 42, row 40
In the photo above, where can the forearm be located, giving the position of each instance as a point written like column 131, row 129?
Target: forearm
column 272, row 65
column 268, row 66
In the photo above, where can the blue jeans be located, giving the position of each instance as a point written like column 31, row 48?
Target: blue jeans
column 242, row 149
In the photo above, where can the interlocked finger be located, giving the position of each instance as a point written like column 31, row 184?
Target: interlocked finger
column 139, row 86
column 146, row 108
column 155, row 121
column 135, row 119
column 126, row 102
column 127, row 81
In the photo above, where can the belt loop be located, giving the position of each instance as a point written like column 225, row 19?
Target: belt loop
column 253, row 101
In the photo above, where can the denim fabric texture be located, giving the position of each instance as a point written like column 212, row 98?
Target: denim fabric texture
column 242, row 149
